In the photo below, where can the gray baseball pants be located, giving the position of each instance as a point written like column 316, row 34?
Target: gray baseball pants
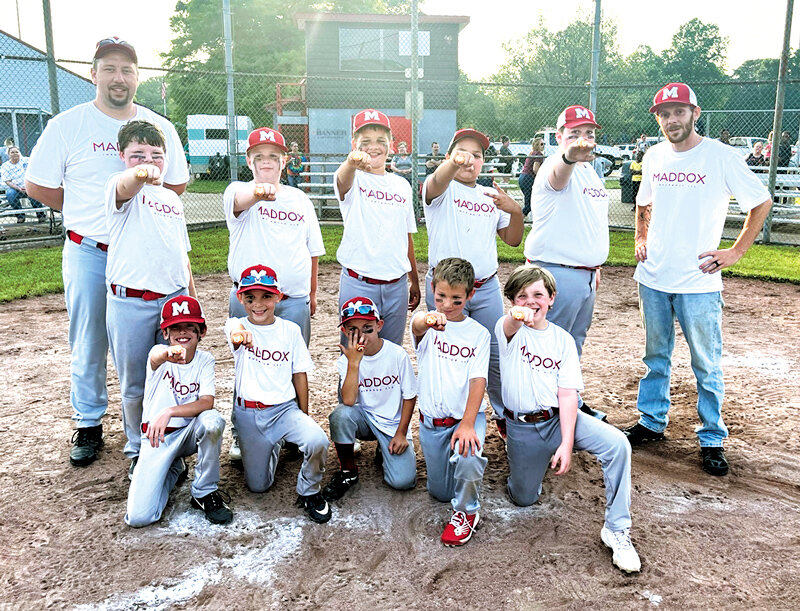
column 349, row 422
column 531, row 446
column 391, row 299
column 262, row 433
column 451, row 476
column 159, row 468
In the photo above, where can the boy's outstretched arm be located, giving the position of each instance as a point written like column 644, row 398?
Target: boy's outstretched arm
column 465, row 434
column 132, row 180
column 437, row 183
column 346, row 173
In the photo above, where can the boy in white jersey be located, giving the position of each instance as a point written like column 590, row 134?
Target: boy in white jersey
column 376, row 252
column 378, row 393
column 541, row 379
column 463, row 220
column 147, row 263
column 453, row 360
column 178, row 421
column 569, row 227
column 269, row 221
column 271, row 389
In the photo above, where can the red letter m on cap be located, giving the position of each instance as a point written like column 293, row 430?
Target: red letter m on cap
column 672, row 92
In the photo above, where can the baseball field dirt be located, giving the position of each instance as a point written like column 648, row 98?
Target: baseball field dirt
column 705, row 542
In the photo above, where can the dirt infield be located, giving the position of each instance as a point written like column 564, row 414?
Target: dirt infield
column 705, row 542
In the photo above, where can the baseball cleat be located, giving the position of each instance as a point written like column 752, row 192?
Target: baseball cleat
column 340, row 483
column 625, row 557
column 638, row 434
column 714, row 461
column 132, row 468
column 357, row 447
column 235, row 453
column 184, row 474
column 215, row 507
column 86, row 443
column 460, row 528
column 594, row 413
column 316, row 507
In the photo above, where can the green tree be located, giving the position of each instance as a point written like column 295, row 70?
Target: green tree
column 268, row 48
column 698, row 52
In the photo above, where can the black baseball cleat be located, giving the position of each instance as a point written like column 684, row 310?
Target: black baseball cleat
column 638, row 434
column 594, row 413
column 316, row 507
column 132, row 467
column 215, row 507
column 86, row 443
column 714, row 461
column 184, row 474
column 340, row 483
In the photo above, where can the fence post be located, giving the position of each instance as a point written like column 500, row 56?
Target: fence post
column 233, row 135
column 595, row 58
column 780, row 94
column 52, row 74
column 414, row 109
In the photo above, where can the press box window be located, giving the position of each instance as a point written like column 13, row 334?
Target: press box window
column 369, row 50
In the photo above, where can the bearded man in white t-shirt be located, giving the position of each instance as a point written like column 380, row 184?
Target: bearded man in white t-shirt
column 569, row 227
column 687, row 183
column 68, row 168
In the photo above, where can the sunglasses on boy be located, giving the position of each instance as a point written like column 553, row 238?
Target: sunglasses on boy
column 349, row 311
column 262, row 280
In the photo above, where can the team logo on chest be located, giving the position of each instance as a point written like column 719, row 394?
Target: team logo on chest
column 162, row 209
column 279, row 215
column 382, row 197
column 378, row 382
column 538, row 362
column 452, row 350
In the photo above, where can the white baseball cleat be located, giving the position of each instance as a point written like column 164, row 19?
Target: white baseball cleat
column 235, row 453
column 625, row 557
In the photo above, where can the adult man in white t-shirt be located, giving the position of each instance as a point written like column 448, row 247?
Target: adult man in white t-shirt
column 687, row 183
column 68, row 169
column 569, row 228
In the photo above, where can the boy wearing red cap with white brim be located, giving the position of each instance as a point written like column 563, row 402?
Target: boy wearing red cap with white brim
column 179, row 420
column 376, row 251
column 569, row 227
column 269, row 221
column 464, row 220
column 271, row 363
column 378, row 393
column 687, row 183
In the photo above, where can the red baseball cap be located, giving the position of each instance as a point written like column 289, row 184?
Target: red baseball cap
column 674, row 93
column 572, row 116
column 259, row 277
column 370, row 116
column 359, row 308
column 266, row 135
column 469, row 133
column 114, row 43
column 182, row 309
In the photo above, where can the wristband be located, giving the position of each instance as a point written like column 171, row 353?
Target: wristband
column 567, row 161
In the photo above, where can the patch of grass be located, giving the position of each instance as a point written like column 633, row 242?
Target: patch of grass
column 28, row 273
column 207, row 186
column 612, row 183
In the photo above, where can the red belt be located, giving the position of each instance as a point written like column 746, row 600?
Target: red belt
column 167, row 431
column 146, row 295
column 591, row 269
column 533, row 417
column 252, row 404
column 78, row 238
column 353, row 274
column 480, row 283
column 449, row 421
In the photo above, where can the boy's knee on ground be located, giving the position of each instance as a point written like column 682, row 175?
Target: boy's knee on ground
column 523, row 498
column 137, row 517
column 213, row 423
column 405, row 480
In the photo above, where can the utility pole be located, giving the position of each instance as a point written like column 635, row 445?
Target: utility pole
column 233, row 134
column 52, row 74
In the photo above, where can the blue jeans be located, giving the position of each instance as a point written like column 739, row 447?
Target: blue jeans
column 14, row 198
column 700, row 317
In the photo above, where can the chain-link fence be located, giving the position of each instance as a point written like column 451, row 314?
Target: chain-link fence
column 357, row 68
